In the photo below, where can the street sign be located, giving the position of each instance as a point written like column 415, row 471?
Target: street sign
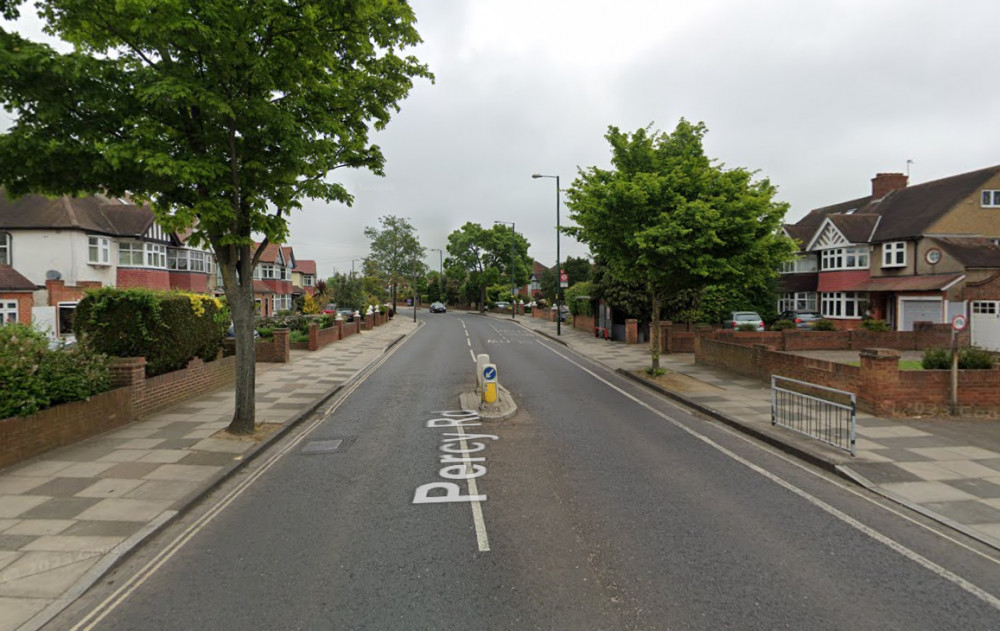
column 490, row 373
column 564, row 277
column 958, row 322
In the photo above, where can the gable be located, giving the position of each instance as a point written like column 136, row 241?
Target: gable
column 828, row 236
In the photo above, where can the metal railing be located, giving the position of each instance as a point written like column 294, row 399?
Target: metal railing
column 819, row 412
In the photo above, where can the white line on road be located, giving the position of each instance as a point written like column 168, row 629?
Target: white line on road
column 885, row 540
column 477, row 509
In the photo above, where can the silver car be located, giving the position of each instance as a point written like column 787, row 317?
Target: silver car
column 737, row 318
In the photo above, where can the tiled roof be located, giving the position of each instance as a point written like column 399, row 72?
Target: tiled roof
column 972, row 252
column 270, row 253
column 932, row 282
column 305, row 266
column 95, row 213
column 855, row 228
column 12, row 280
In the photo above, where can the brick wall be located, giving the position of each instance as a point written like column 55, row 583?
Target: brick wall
column 196, row 282
column 584, row 323
column 25, row 301
column 196, row 379
column 139, row 277
column 880, row 386
column 58, row 291
column 275, row 351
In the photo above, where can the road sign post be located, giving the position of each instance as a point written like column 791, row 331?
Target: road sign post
column 957, row 324
column 489, row 376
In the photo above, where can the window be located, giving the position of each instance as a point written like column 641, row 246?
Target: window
column 8, row 312
column 98, row 250
column 67, row 310
column 130, row 254
column 788, row 267
column 894, row 254
column 185, row 260
column 844, row 258
column 177, row 260
column 5, row 255
column 988, row 307
column 991, row 199
column 797, row 301
column 307, row 280
column 156, row 255
column 844, row 304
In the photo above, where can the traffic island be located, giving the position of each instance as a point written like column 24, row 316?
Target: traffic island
column 503, row 409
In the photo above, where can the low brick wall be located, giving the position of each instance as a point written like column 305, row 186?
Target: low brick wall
column 274, row 351
column 584, row 323
column 196, row 379
column 880, row 386
column 25, row 437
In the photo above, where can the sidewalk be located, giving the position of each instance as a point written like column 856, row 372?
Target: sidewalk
column 69, row 515
column 947, row 468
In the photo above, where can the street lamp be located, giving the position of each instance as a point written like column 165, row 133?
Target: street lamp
column 440, row 272
column 513, row 296
column 558, row 270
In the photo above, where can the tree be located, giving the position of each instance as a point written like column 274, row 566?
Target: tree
column 485, row 255
column 394, row 246
column 346, row 291
column 668, row 217
column 224, row 114
column 578, row 269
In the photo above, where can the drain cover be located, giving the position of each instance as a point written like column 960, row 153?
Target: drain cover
column 322, row 446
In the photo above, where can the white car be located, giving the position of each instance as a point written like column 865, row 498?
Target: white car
column 738, row 318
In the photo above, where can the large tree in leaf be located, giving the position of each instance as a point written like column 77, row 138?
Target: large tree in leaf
column 224, row 114
column 668, row 217
column 394, row 250
column 485, row 255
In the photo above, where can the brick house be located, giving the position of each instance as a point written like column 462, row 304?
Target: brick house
column 304, row 277
column 16, row 294
column 272, row 279
column 63, row 246
column 904, row 254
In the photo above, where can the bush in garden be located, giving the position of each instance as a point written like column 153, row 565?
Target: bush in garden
column 298, row 337
column 781, row 325
column 167, row 328
column 968, row 359
column 936, row 359
column 75, row 373
column 880, row 326
column 824, row 325
column 22, row 387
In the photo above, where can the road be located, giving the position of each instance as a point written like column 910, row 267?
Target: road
column 602, row 506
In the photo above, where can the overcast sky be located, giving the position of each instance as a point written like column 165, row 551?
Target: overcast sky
column 816, row 96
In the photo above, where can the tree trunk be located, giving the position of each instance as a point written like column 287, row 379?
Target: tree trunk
column 654, row 334
column 239, row 295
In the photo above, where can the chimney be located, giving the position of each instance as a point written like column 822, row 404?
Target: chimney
column 885, row 183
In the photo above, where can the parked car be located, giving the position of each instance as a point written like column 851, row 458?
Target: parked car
column 502, row 305
column 802, row 319
column 438, row 307
column 737, row 318
column 347, row 314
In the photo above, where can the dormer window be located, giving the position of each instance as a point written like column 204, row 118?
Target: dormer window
column 991, row 199
column 894, row 254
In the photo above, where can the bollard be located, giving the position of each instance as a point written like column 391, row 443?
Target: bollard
column 481, row 360
column 489, row 377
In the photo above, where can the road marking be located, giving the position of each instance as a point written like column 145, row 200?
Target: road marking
column 127, row 588
column 477, row 508
column 885, row 540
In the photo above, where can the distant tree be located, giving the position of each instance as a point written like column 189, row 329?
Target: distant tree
column 667, row 217
column 309, row 305
column 394, row 248
column 224, row 114
column 578, row 269
column 346, row 292
column 485, row 256
column 322, row 295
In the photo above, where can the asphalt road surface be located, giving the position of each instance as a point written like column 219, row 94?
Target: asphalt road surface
column 599, row 506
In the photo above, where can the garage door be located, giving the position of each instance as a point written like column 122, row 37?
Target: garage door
column 919, row 311
column 985, row 323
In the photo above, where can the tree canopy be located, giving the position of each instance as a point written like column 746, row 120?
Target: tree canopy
column 224, row 114
column 667, row 217
column 394, row 250
column 485, row 255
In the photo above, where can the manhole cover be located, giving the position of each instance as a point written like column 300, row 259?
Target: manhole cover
column 322, row 446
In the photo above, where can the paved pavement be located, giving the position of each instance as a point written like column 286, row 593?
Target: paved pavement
column 945, row 468
column 68, row 516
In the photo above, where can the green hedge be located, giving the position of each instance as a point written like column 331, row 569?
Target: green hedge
column 167, row 328
column 32, row 377
column 968, row 359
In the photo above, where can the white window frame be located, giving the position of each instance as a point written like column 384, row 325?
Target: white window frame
column 307, row 280
column 843, row 305
column 8, row 312
column 155, row 255
column 990, row 198
column 130, row 254
column 798, row 301
column 98, row 250
column 894, row 254
column 844, row 258
column 6, row 241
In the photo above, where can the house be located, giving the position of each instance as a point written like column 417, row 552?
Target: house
column 534, row 286
column 65, row 245
column 272, row 279
column 304, row 277
column 904, row 254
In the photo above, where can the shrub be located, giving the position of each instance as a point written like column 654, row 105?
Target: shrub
column 22, row 387
column 167, row 328
column 824, row 325
column 968, row 359
column 580, row 307
column 782, row 325
column 266, row 332
column 297, row 336
column 292, row 322
column 880, row 326
column 75, row 373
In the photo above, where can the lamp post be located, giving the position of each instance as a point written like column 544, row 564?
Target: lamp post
column 440, row 272
column 513, row 304
column 558, row 269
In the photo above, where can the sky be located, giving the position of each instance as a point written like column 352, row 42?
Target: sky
column 817, row 97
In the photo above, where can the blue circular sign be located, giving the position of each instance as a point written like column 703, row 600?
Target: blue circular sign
column 490, row 372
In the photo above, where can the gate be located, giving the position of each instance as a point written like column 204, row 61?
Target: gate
column 826, row 414
column 985, row 322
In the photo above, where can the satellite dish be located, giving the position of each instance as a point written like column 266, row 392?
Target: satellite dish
column 53, row 275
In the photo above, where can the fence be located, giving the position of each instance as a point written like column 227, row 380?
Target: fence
column 826, row 414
